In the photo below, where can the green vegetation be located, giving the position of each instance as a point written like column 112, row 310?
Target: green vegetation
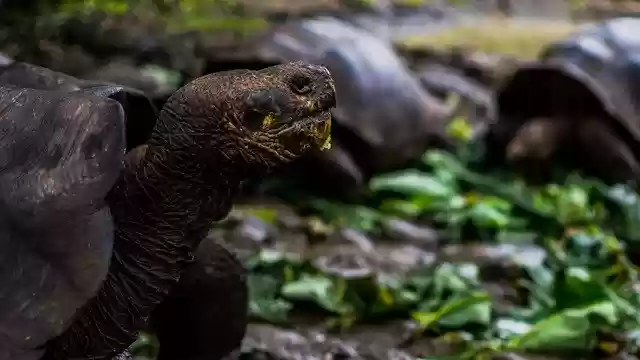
column 31, row 21
column 173, row 16
column 581, row 298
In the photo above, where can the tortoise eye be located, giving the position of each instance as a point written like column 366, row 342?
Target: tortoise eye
column 301, row 85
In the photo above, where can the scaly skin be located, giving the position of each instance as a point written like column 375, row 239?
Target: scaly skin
column 212, row 134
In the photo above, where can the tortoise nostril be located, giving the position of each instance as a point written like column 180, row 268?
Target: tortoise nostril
column 301, row 85
column 328, row 100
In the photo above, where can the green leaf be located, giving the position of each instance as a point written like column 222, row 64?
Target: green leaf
column 318, row 289
column 485, row 215
column 352, row 216
column 457, row 278
column 509, row 328
column 460, row 129
column 627, row 209
column 440, row 159
column 266, row 214
column 444, row 282
column 271, row 258
column 571, row 203
column 413, row 182
column 263, row 299
column 474, row 308
column 273, row 310
column 571, row 329
column 576, row 288
column 145, row 345
column 404, row 208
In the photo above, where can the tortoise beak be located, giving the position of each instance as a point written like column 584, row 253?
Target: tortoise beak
column 321, row 129
column 319, row 110
column 325, row 132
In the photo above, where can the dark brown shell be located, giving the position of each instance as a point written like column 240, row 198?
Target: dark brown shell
column 60, row 154
column 137, row 106
column 593, row 73
column 62, row 149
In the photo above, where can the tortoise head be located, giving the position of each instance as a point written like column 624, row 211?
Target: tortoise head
column 264, row 117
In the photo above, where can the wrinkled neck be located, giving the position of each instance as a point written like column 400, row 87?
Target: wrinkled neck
column 162, row 206
column 173, row 194
column 191, row 171
column 200, row 150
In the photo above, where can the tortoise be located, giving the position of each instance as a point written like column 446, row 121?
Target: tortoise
column 97, row 242
column 135, row 103
column 577, row 105
column 384, row 118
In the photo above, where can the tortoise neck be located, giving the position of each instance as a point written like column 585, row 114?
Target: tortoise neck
column 162, row 206
column 169, row 171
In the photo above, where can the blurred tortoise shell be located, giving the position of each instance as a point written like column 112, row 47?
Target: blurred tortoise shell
column 384, row 118
column 592, row 74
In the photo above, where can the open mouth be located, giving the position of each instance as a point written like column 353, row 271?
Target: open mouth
column 319, row 130
column 314, row 131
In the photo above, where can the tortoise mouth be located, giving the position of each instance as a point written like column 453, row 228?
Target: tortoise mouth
column 319, row 130
column 312, row 132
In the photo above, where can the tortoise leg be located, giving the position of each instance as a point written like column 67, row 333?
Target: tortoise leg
column 205, row 315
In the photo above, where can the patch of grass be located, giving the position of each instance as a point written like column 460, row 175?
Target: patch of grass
column 410, row 3
column 522, row 39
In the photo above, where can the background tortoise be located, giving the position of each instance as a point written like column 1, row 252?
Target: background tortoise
column 578, row 104
column 71, row 202
column 383, row 120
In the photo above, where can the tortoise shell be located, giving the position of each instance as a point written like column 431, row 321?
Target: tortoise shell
column 595, row 72
column 134, row 102
column 382, row 110
column 62, row 153
column 63, row 148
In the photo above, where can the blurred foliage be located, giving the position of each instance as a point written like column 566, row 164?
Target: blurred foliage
column 27, row 21
column 175, row 15
column 34, row 20
column 579, row 298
